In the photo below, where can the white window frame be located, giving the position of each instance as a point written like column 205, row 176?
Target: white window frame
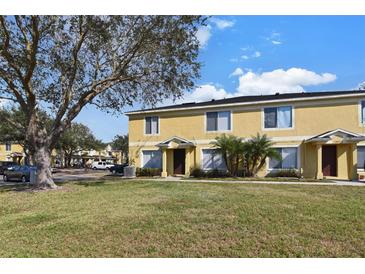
column 359, row 169
column 6, row 146
column 215, row 131
column 285, row 146
column 141, row 157
column 361, row 124
column 202, row 158
column 274, row 129
column 158, row 128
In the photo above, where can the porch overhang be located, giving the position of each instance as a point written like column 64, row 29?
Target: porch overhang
column 337, row 136
column 176, row 142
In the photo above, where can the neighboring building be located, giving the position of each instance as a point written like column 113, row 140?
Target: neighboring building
column 12, row 152
column 85, row 158
column 15, row 153
column 321, row 134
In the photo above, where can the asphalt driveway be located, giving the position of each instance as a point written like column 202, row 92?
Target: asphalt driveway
column 64, row 175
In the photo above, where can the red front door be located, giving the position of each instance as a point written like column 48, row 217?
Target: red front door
column 329, row 160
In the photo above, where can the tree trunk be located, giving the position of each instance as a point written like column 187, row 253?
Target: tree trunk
column 42, row 160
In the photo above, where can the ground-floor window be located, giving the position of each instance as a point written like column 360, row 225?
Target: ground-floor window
column 212, row 160
column 361, row 157
column 289, row 158
column 152, row 159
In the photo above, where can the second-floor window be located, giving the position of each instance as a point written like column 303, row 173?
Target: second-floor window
column 218, row 121
column 363, row 112
column 151, row 125
column 278, row 117
column 8, row 146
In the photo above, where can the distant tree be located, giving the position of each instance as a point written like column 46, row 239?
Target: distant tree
column 120, row 142
column 60, row 64
column 362, row 86
column 76, row 139
column 13, row 128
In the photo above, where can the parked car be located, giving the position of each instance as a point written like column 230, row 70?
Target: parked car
column 19, row 173
column 118, row 168
column 4, row 165
column 101, row 165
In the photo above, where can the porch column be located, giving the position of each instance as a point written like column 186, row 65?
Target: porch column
column 319, row 162
column 164, row 163
column 353, row 163
column 187, row 161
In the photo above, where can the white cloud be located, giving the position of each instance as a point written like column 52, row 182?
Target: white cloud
column 255, row 54
column 276, row 42
column 205, row 92
column 279, row 80
column 3, row 102
column 203, row 34
column 274, row 38
column 222, row 24
column 236, row 72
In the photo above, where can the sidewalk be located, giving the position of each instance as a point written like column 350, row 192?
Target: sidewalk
column 178, row 179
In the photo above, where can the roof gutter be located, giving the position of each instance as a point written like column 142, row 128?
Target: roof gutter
column 247, row 103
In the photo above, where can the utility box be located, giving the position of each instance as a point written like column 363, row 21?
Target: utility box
column 129, row 171
column 33, row 176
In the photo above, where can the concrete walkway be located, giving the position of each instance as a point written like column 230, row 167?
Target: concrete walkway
column 179, row 179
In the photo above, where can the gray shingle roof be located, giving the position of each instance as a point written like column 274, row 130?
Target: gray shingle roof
column 255, row 98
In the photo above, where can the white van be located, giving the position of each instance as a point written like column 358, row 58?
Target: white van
column 101, row 165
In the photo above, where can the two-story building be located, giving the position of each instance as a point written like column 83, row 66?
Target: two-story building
column 10, row 151
column 321, row 134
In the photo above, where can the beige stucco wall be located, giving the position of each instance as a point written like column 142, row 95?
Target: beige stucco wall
column 6, row 155
column 309, row 118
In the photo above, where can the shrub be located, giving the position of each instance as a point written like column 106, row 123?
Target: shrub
column 148, row 172
column 197, row 173
column 214, row 173
column 285, row 173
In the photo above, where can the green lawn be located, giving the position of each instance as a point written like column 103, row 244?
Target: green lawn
column 172, row 219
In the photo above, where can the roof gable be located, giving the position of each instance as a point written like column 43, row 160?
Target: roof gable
column 175, row 141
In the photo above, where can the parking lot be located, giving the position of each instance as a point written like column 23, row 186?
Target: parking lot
column 64, row 175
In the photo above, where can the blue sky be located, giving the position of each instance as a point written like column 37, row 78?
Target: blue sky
column 244, row 55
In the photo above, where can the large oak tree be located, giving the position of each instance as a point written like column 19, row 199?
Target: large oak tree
column 60, row 64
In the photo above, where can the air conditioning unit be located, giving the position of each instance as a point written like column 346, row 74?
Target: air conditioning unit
column 129, row 171
column 361, row 177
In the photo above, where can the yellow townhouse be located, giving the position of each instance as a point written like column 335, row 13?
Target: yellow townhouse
column 12, row 152
column 320, row 134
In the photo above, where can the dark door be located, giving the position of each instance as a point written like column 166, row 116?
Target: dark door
column 329, row 161
column 179, row 161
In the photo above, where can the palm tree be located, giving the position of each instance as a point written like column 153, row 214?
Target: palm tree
column 231, row 148
column 256, row 151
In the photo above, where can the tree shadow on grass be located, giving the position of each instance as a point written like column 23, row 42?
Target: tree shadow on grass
column 14, row 187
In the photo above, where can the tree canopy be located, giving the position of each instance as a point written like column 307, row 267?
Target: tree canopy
column 60, row 64
column 77, row 138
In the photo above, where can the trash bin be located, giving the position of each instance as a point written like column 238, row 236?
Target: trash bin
column 33, row 176
column 129, row 171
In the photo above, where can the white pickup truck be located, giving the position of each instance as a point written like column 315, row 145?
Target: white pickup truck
column 101, row 165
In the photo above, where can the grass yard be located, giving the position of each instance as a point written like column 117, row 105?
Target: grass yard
column 172, row 219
